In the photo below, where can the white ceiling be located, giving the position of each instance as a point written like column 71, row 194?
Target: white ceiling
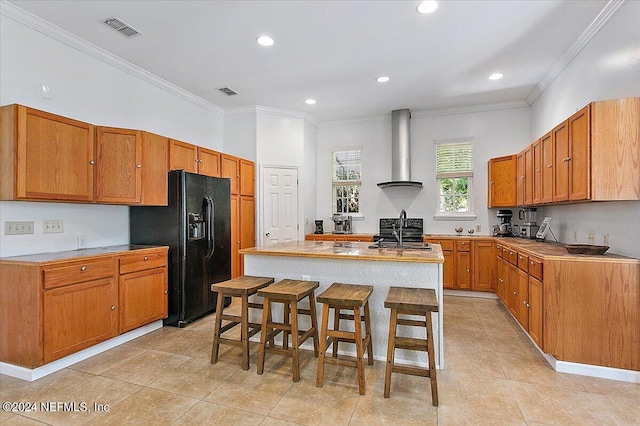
column 333, row 51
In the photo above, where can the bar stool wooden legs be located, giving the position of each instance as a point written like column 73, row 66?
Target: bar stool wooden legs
column 345, row 297
column 243, row 287
column 411, row 301
column 288, row 292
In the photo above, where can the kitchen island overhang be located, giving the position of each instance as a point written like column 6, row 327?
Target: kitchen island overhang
column 356, row 263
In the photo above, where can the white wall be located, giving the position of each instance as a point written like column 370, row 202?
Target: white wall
column 308, row 176
column 91, row 90
column 240, row 133
column 607, row 68
column 495, row 133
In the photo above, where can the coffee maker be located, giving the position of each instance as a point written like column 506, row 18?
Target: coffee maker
column 342, row 223
column 529, row 228
column 504, row 228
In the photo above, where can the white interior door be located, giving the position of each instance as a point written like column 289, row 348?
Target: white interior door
column 280, row 205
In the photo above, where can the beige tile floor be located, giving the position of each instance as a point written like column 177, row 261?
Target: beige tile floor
column 494, row 376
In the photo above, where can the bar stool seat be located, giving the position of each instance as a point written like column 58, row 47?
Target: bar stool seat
column 411, row 301
column 350, row 297
column 243, row 286
column 289, row 293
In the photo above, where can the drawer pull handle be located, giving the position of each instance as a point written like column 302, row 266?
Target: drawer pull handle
column 532, row 262
column 138, row 166
column 146, row 258
column 84, row 268
column 113, row 308
column 515, row 293
column 166, row 291
column 468, row 271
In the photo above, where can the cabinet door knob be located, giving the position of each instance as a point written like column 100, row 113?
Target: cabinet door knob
column 138, row 166
column 113, row 308
column 532, row 262
column 549, row 166
column 166, row 291
column 515, row 293
column 146, row 258
column 467, row 271
column 92, row 162
column 84, row 268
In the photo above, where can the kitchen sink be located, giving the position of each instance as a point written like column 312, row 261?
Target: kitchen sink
column 405, row 246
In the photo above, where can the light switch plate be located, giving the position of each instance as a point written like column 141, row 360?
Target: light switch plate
column 52, row 226
column 18, row 228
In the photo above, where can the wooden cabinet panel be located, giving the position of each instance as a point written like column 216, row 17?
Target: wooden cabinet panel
column 521, row 178
column 463, row 270
column 183, row 156
column 155, row 157
column 535, row 310
column 522, row 299
column 528, row 176
column 208, row 162
column 140, row 262
column 231, row 170
column 143, row 298
column 463, row 245
column 235, row 236
column 483, row 266
column 546, row 146
column 78, row 271
column 535, row 267
column 501, row 279
column 247, row 178
column 523, row 262
column 247, row 225
column 580, row 155
column 512, row 290
column 78, row 316
column 448, row 269
column 561, row 162
column 338, row 237
column 536, row 150
column 45, row 156
column 119, row 165
column 502, row 182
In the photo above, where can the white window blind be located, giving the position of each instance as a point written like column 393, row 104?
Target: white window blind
column 454, row 160
column 347, row 166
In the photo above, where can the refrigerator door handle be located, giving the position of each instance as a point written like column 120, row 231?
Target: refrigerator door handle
column 209, row 216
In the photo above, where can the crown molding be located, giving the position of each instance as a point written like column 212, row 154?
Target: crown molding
column 607, row 12
column 44, row 27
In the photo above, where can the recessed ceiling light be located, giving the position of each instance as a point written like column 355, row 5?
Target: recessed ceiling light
column 427, row 6
column 265, row 40
column 382, row 79
column 310, row 101
column 496, row 76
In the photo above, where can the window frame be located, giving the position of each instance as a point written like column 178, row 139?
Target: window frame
column 337, row 183
column 444, row 215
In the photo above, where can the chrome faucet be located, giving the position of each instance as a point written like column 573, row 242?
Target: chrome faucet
column 402, row 223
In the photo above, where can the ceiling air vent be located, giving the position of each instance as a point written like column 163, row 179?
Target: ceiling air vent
column 121, row 27
column 227, row 91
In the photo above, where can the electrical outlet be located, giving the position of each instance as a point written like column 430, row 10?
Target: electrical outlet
column 591, row 237
column 52, row 226
column 46, row 91
column 18, row 228
column 478, row 228
column 575, row 236
column 306, row 278
column 605, row 239
column 81, row 241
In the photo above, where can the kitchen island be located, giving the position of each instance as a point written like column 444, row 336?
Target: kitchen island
column 356, row 263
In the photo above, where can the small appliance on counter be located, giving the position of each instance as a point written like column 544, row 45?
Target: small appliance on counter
column 342, row 223
column 319, row 227
column 529, row 227
column 504, row 228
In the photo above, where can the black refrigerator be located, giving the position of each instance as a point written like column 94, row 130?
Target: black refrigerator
column 196, row 225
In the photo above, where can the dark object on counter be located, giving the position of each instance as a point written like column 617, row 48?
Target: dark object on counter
column 585, row 249
column 196, row 226
column 412, row 230
column 319, row 227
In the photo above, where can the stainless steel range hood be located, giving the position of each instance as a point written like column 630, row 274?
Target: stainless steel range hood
column 400, row 151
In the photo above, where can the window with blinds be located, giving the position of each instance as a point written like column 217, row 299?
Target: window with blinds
column 347, row 180
column 454, row 171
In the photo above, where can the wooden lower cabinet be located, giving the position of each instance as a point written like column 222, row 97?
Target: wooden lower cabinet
column 235, row 236
column 463, row 276
column 51, row 308
column 247, row 226
column 483, row 266
column 535, row 310
column 78, row 316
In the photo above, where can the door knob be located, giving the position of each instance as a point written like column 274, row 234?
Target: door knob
column 267, row 234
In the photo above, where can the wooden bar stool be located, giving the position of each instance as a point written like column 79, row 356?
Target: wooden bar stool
column 353, row 298
column 289, row 293
column 411, row 301
column 243, row 286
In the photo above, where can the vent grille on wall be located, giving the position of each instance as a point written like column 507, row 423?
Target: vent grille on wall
column 227, row 91
column 122, row 28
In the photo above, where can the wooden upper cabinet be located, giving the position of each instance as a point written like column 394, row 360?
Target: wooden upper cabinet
column 183, row 156
column 231, row 169
column 561, row 157
column 502, row 182
column 528, row 176
column 580, row 155
column 155, row 166
column 208, row 162
column 247, row 177
column 45, row 156
column 536, row 150
column 546, row 147
column 118, row 165
column 520, row 173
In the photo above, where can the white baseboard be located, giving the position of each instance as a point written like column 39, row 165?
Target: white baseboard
column 36, row 373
